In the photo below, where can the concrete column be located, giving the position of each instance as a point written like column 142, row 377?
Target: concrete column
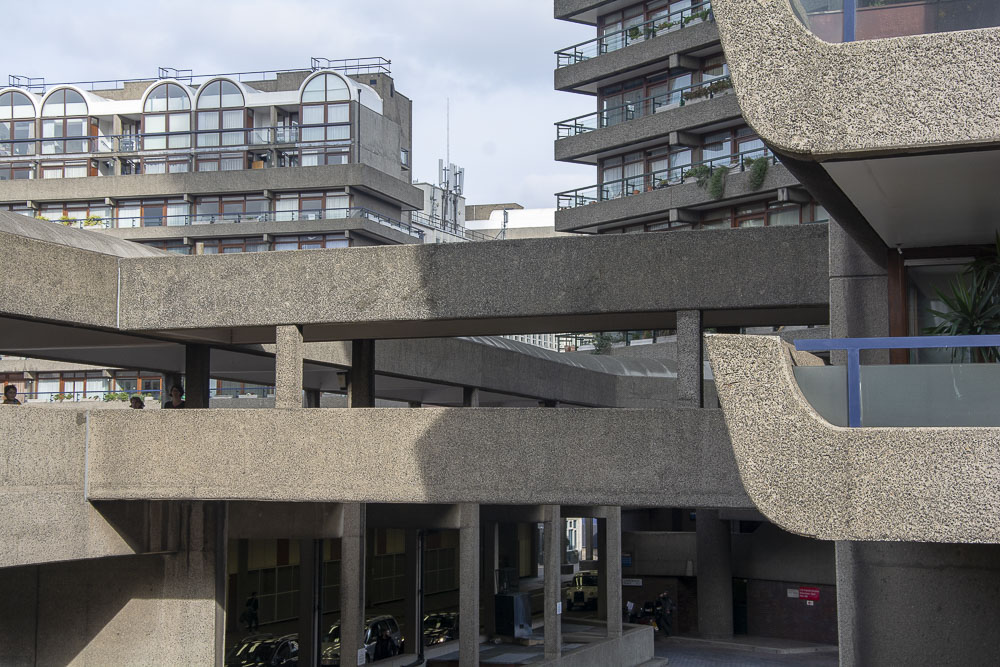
column 310, row 601
column 470, row 397
column 715, row 575
column 352, row 583
column 197, row 365
column 412, row 626
column 553, row 582
column 490, row 538
column 243, row 589
column 588, row 538
column 313, row 398
column 610, row 567
column 690, row 386
column 288, row 367
column 361, row 379
column 468, row 586
column 859, row 293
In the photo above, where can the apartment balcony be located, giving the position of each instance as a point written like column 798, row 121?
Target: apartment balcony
column 866, row 19
column 645, row 121
column 634, row 51
column 892, row 135
column 653, row 196
column 921, row 464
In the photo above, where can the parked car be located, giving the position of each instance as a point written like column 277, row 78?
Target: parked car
column 265, row 650
column 330, row 650
column 583, row 591
column 440, row 628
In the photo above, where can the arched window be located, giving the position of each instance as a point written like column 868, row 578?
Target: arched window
column 16, row 135
column 64, row 123
column 226, row 104
column 325, row 121
column 167, row 118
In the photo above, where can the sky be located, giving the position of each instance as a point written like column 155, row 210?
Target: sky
column 494, row 60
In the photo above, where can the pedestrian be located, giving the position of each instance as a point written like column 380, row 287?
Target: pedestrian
column 176, row 401
column 250, row 613
column 10, row 395
column 384, row 646
column 665, row 613
column 136, row 403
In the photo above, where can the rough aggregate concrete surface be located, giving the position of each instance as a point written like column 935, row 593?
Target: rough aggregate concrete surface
column 832, row 483
column 814, row 99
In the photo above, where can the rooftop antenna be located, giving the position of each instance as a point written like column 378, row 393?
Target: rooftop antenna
column 447, row 130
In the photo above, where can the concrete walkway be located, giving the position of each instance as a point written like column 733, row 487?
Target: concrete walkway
column 743, row 650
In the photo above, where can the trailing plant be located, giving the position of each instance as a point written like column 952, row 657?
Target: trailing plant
column 633, row 33
column 603, row 343
column 41, row 217
column 757, row 167
column 116, row 396
column 66, row 220
column 713, row 88
column 701, row 173
column 93, row 221
column 973, row 306
column 717, row 183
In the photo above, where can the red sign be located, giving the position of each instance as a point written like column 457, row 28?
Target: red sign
column 808, row 593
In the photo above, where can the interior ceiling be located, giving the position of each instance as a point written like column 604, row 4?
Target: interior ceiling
column 925, row 200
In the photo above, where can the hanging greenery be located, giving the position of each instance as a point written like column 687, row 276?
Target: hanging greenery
column 717, row 183
column 973, row 307
column 757, row 169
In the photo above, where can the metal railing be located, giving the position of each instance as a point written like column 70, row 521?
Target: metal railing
column 187, row 219
column 369, row 65
column 449, row 227
column 613, row 41
column 672, row 99
column 656, row 180
column 853, row 347
column 75, row 396
column 172, row 142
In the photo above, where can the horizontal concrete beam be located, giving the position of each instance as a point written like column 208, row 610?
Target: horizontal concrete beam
column 556, row 284
column 832, row 483
column 678, row 458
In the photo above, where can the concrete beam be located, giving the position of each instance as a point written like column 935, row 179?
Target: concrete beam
column 683, row 61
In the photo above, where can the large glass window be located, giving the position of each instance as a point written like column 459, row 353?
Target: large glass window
column 325, row 118
column 227, row 113
column 167, row 118
column 64, row 123
column 16, row 135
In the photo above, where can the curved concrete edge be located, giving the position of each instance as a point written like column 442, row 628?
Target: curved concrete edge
column 813, row 99
column 832, row 483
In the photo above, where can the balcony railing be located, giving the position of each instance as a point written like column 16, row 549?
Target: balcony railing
column 157, row 220
column 851, row 20
column 449, row 227
column 696, row 92
column 150, row 144
column 657, row 180
column 613, row 41
column 80, row 395
column 960, row 390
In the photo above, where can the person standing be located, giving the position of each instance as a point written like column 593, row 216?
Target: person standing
column 10, row 395
column 176, row 401
column 250, row 613
column 136, row 403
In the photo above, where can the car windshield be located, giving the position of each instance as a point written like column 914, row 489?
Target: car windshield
column 333, row 635
column 438, row 622
column 259, row 650
column 586, row 580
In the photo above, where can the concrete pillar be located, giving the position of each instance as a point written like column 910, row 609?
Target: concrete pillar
column 288, row 367
column 470, row 397
column 609, row 569
column 859, row 293
column 352, row 583
column 313, row 398
column 553, row 582
column 468, row 586
column 690, row 386
column 361, row 379
column 197, row 366
column 412, row 626
column 243, row 588
column 310, row 601
column 490, row 538
column 715, row 575
column 588, row 538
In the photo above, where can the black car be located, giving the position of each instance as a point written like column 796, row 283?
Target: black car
column 440, row 628
column 374, row 627
column 265, row 651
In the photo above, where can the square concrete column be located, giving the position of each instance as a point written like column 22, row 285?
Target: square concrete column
column 361, row 379
column 413, row 626
column 490, row 540
column 310, row 601
column 352, row 583
column 197, row 366
column 609, row 569
column 288, row 367
column 470, row 397
column 689, row 359
column 553, row 581
column 715, row 575
column 468, row 584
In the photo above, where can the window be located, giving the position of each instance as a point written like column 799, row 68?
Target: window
column 16, row 172
column 224, row 162
column 16, row 135
column 69, row 169
column 175, row 246
column 166, row 165
column 325, row 118
column 229, row 246
column 312, row 206
column 64, row 123
column 227, row 113
column 167, row 118
column 311, row 242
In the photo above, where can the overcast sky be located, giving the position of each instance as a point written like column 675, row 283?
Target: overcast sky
column 493, row 58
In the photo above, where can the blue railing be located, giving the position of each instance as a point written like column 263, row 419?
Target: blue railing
column 854, row 346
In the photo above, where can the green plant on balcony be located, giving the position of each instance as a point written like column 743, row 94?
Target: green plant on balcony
column 62, row 397
column 66, row 220
column 700, row 173
column 714, row 88
column 633, row 33
column 603, row 343
column 973, row 306
column 717, row 182
column 116, row 396
column 757, row 168
column 41, row 217
column 92, row 221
